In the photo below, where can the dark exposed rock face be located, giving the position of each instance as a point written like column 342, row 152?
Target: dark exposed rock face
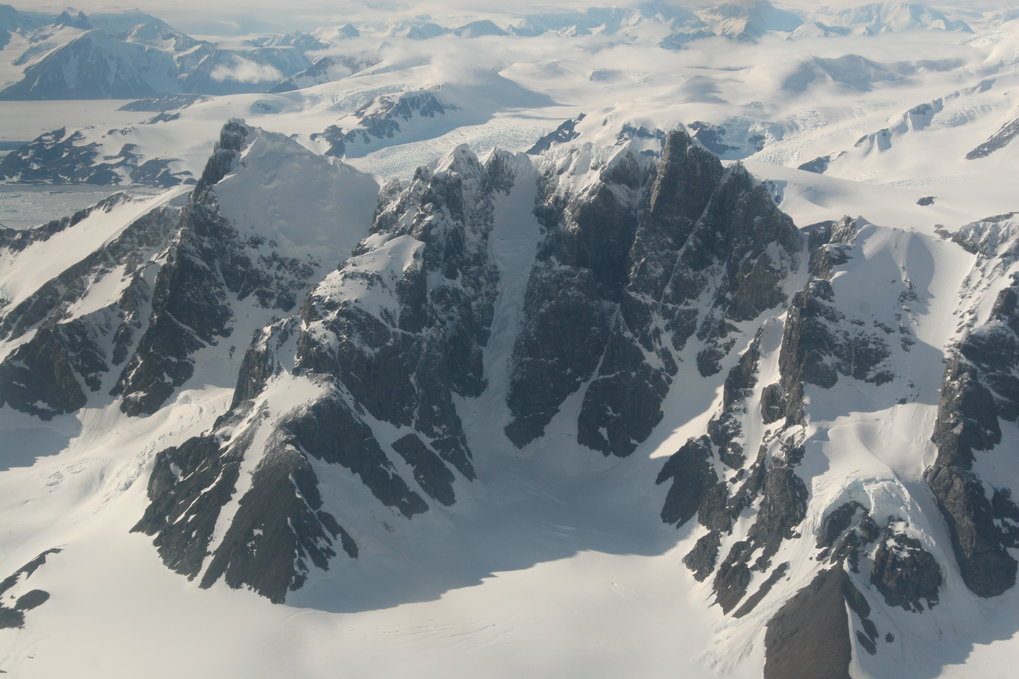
column 696, row 489
column 732, row 579
column 819, row 345
column 703, row 557
column 564, row 133
column 60, row 158
column 782, row 508
column 820, row 341
column 278, row 527
column 756, row 598
column 868, row 636
column 998, row 140
column 402, row 361
column 31, row 599
column 67, row 358
column 818, row 165
column 208, row 266
column 380, row 119
column 904, row 572
column 186, row 482
column 429, row 470
column 569, row 303
column 845, row 532
column 14, row 617
column 189, row 310
column 987, row 569
column 692, row 479
column 330, row 432
column 726, row 430
column 265, row 357
column 980, row 387
column 11, row 618
column 628, row 266
column 808, row 341
column 646, row 243
column 713, row 478
column 183, row 271
column 405, row 363
column 773, row 403
column 809, row 636
column 656, row 263
column 39, row 377
column 56, row 157
column 770, row 482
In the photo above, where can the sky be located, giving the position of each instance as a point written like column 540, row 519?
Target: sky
column 250, row 16
column 260, row 15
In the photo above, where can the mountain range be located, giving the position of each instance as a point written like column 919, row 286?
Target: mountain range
column 619, row 395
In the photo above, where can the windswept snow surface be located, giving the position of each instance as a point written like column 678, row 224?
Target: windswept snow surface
column 308, row 204
column 555, row 562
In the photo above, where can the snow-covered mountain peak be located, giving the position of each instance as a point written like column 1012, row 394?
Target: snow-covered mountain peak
column 749, row 19
column 884, row 17
column 996, row 236
column 160, row 36
column 279, row 191
column 70, row 18
column 603, row 334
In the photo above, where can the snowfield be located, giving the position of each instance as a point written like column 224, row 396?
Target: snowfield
column 414, row 192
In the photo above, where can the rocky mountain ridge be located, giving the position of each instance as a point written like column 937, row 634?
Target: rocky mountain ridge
column 358, row 336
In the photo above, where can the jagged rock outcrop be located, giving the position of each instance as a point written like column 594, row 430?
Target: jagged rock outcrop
column 209, row 267
column 967, row 422
column 980, row 392
column 567, row 131
column 845, row 532
column 59, row 157
column 393, row 336
column 768, row 493
column 653, row 264
column 190, row 306
column 904, row 572
column 720, row 492
column 381, row 118
column 996, row 141
column 66, row 345
column 820, row 340
column 176, row 277
column 56, row 157
column 643, row 261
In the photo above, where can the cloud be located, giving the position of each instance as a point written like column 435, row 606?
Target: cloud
column 245, row 71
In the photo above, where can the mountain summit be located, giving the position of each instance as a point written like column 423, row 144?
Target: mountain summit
column 378, row 365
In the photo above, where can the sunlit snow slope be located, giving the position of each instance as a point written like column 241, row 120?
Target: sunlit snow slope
column 650, row 342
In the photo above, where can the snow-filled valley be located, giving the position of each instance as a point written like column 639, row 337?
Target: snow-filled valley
column 663, row 339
